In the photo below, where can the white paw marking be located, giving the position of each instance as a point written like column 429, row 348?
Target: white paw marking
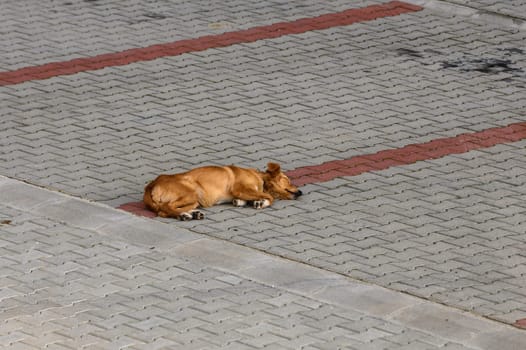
column 185, row 216
column 261, row 204
column 239, row 202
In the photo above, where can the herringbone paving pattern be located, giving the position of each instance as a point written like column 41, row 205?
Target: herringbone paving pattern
column 39, row 32
column 67, row 288
column 299, row 100
column 450, row 230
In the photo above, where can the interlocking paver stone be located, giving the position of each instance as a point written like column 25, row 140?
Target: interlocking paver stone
column 115, row 112
column 451, row 246
column 451, row 230
column 71, row 287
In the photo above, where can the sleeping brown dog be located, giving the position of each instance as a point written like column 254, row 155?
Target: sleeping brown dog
column 180, row 195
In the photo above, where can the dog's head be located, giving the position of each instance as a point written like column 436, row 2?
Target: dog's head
column 278, row 184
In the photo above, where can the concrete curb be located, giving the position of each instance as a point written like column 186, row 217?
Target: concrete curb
column 91, row 216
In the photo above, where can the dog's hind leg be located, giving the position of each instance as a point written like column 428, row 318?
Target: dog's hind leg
column 181, row 211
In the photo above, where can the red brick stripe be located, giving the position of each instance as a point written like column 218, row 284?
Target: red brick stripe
column 409, row 154
column 393, row 8
column 520, row 323
column 393, row 157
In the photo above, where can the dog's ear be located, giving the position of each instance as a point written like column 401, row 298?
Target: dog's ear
column 273, row 169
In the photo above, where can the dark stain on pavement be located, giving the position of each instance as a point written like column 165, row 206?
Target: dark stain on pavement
column 155, row 15
column 502, row 61
column 483, row 65
column 409, row 52
column 147, row 17
column 498, row 61
column 510, row 51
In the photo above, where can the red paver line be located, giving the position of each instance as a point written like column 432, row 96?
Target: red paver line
column 409, row 154
column 347, row 17
column 392, row 157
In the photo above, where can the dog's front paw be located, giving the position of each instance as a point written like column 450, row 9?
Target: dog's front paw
column 239, row 202
column 260, row 204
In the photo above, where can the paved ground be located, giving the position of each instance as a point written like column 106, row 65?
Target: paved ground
column 79, row 275
column 424, row 255
column 512, row 8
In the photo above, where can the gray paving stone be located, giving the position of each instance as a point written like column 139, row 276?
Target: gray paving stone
column 321, row 148
column 441, row 252
column 451, row 229
column 80, row 214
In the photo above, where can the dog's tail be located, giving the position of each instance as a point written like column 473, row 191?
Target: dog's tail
column 147, row 198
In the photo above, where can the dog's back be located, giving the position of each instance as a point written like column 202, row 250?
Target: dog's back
column 179, row 195
column 207, row 186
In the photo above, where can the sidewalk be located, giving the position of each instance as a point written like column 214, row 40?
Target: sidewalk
column 81, row 275
column 404, row 125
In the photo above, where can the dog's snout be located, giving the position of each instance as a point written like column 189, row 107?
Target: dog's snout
column 297, row 194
